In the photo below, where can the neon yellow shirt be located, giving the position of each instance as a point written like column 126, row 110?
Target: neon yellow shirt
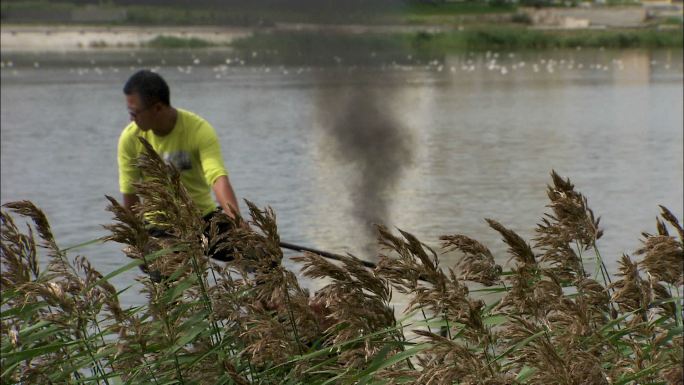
column 192, row 147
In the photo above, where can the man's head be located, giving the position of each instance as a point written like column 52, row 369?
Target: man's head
column 147, row 95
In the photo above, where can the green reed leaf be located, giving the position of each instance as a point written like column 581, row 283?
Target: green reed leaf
column 644, row 372
column 24, row 311
column 137, row 262
column 494, row 320
column 380, row 362
column 525, row 373
column 81, row 245
column 26, row 354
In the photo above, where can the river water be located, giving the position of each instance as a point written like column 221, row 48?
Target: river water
column 431, row 147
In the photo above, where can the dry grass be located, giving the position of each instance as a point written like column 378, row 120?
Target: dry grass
column 249, row 321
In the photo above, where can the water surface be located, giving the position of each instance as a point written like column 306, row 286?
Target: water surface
column 431, row 147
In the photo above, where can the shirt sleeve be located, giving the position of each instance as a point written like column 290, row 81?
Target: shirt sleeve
column 210, row 153
column 127, row 156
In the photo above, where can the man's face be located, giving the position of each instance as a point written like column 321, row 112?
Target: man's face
column 144, row 116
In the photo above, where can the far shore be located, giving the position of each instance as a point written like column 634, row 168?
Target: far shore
column 35, row 38
column 81, row 38
column 58, row 38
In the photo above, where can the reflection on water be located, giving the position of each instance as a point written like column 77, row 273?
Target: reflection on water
column 476, row 136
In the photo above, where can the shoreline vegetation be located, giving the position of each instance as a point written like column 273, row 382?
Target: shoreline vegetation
column 553, row 315
column 473, row 39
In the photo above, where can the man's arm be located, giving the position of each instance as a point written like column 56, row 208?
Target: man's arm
column 130, row 200
column 127, row 155
column 226, row 196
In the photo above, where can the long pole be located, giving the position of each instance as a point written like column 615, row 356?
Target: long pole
column 329, row 255
column 322, row 253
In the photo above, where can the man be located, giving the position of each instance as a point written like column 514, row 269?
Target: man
column 181, row 138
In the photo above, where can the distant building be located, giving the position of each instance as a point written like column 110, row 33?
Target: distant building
column 664, row 9
column 587, row 17
column 645, row 2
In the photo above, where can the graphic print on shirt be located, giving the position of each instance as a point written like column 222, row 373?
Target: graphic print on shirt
column 179, row 159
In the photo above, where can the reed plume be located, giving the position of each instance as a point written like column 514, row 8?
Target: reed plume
column 664, row 254
column 478, row 263
column 568, row 231
column 355, row 307
column 248, row 320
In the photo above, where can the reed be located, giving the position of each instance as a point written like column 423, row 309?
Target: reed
column 554, row 321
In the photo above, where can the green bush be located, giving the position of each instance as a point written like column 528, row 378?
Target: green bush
column 178, row 42
column 417, row 43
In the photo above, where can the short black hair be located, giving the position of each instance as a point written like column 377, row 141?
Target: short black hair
column 151, row 87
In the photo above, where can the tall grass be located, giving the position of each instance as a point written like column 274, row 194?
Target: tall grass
column 250, row 322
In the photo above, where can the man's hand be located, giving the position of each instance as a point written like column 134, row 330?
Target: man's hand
column 131, row 202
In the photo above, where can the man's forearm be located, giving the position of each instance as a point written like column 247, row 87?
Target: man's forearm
column 226, row 196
